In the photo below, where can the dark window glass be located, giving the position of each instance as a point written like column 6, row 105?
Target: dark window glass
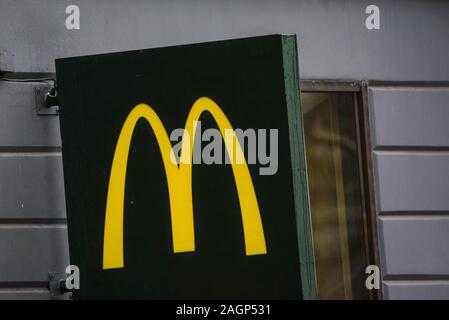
column 336, row 197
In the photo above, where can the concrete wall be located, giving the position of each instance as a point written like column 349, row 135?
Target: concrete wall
column 409, row 131
column 334, row 42
column 410, row 139
column 33, row 232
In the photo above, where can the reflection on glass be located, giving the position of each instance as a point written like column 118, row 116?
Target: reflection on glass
column 335, row 194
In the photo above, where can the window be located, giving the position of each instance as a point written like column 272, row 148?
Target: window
column 339, row 215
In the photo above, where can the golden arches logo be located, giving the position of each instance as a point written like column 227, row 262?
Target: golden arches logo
column 179, row 180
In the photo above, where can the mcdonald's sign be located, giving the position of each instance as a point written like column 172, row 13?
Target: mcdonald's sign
column 179, row 186
column 143, row 224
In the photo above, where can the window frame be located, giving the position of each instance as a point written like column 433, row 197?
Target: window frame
column 359, row 89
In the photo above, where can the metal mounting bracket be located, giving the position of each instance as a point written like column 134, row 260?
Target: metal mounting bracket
column 41, row 92
column 56, row 284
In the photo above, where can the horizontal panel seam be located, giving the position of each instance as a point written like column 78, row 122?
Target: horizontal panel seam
column 377, row 89
column 412, row 213
column 33, row 221
column 25, row 290
column 396, row 216
column 30, row 154
column 33, row 226
column 415, row 282
column 412, row 152
column 23, row 285
column 29, row 149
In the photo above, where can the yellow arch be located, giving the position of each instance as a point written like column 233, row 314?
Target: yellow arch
column 179, row 180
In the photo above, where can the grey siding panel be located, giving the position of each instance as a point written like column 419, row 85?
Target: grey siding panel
column 415, row 245
column 412, row 181
column 417, row 290
column 29, row 253
column 31, row 196
column 410, row 140
column 25, row 294
column 31, row 186
column 334, row 42
column 409, row 117
column 19, row 123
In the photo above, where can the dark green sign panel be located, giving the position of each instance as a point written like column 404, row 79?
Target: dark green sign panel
column 185, row 173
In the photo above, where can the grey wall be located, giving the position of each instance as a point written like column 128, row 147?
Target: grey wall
column 410, row 136
column 412, row 44
column 409, row 125
column 33, row 232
